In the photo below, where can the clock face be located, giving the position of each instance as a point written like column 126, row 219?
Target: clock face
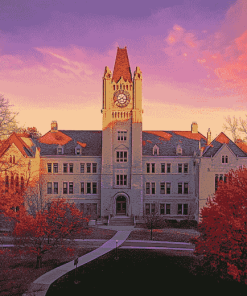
column 121, row 98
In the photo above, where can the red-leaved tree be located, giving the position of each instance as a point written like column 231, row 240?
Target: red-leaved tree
column 223, row 228
column 50, row 228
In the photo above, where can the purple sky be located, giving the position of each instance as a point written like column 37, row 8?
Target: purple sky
column 193, row 56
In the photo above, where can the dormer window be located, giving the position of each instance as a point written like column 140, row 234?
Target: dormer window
column 179, row 150
column 77, row 151
column 155, row 150
column 59, row 150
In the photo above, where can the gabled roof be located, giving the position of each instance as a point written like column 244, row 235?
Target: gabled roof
column 122, row 66
column 218, row 142
column 19, row 143
column 90, row 141
column 167, row 141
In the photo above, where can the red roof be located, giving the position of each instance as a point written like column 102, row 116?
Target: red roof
column 241, row 145
column 57, row 138
column 163, row 136
column 190, row 135
column 122, row 66
column 83, row 145
column 14, row 139
column 222, row 138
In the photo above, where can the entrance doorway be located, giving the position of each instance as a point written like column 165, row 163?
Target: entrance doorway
column 121, row 205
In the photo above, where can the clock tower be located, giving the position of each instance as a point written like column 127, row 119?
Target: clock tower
column 121, row 175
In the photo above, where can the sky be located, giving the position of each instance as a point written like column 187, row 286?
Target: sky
column 192, row 54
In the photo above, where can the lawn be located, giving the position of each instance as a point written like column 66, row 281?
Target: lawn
column 143, row 272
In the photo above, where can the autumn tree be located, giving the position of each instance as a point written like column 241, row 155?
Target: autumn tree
column 236, row 127
column 32, row 131
column 223, row 228
column 8, row 122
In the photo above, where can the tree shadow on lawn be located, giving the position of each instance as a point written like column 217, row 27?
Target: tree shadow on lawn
column 143, row 271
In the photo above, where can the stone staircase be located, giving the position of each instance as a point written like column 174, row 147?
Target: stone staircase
column 121, row 221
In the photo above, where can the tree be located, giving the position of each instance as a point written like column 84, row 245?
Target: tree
column 153, row 221
column 32, row 131
column 8, row 122
column 232, row 126
column 50, row 228
column 223, row 228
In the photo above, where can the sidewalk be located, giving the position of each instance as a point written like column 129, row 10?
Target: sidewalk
column 41, row 285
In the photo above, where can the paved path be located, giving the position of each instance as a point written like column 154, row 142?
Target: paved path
column 41, row 285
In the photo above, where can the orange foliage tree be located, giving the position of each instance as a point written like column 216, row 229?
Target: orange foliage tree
column 223, row 228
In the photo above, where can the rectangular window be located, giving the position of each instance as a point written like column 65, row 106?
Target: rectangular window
column 226, row 159
column 49, row 188
column 182, row 209
column 165, row 209
column 186, row 188
column 121, row 180
column 223, row 159
column 65, row 168
column 162, row 188
column 55, row 184
column 168, row 209
column 168, row 168
column 94, row 168
column 71, row 188
column 216, row 182
column 122, row 135
column 185, row 209
column 55, row 167
column 147, row 188
column 152, row 208
column 179, row 209
column 82, row 188
column 168, row 188
column 180, row 188
column 148, row 168
column 94, row 188
column 186, row 166
column 180, row 167
column 78, row 151
column 89, row 168
column 121, row 156
column 49, row 167
column 153, row 188
column 59, row 150
column 163, row 168
column 88, row 188
column 147, row 209
column 71, row 167
column 153, row 167
column 82, row 168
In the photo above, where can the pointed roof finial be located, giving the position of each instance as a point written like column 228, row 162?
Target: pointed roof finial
column 122, row 66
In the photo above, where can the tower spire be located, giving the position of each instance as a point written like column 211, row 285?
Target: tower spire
column 122, row 66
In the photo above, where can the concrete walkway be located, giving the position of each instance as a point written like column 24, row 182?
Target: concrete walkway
column 41, row 285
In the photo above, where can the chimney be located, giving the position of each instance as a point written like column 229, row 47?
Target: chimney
column 53, row 126
column 194, row 127
column 209, row 137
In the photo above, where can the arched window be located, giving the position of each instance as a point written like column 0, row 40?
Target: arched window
column 10, row 159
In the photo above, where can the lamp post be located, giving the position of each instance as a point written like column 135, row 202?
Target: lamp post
column 116, row 258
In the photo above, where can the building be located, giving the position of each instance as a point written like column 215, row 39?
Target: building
column 122, row 170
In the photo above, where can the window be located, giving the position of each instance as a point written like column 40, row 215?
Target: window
column 71, row 188
column 6, row 183
column 65, row 188
column 77, row 151
column 147, row 209
column 65, row 168
column 152, row 208
column 219, row 177
column 153, row 188
column 224, row 159
column 168, row 168
column 94, row 188
column 186, row 168
column 89, row 168
column 82, row 187
column 163, row 168
column 121, row 180
column 147, row 188
column 153, row 167
column 55, row 167
column 122, row 135
column 13, row 159
column 186, row 188
column 71, row 167
column 55, row 187
column 168, row 188
column 49, row 188
column 12, row 181
column 17, row 183
column 182, row 209
column 165, row 209
column 59, row 150
column 82, row 168
column 162, row 188
column 94, row 168
column 180, row 167
column 121, row 156
column 148, row 168
column 49, row 167
column 180, row 188
column 88, row 188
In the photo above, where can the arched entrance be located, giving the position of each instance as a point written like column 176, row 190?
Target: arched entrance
column 121, row 205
